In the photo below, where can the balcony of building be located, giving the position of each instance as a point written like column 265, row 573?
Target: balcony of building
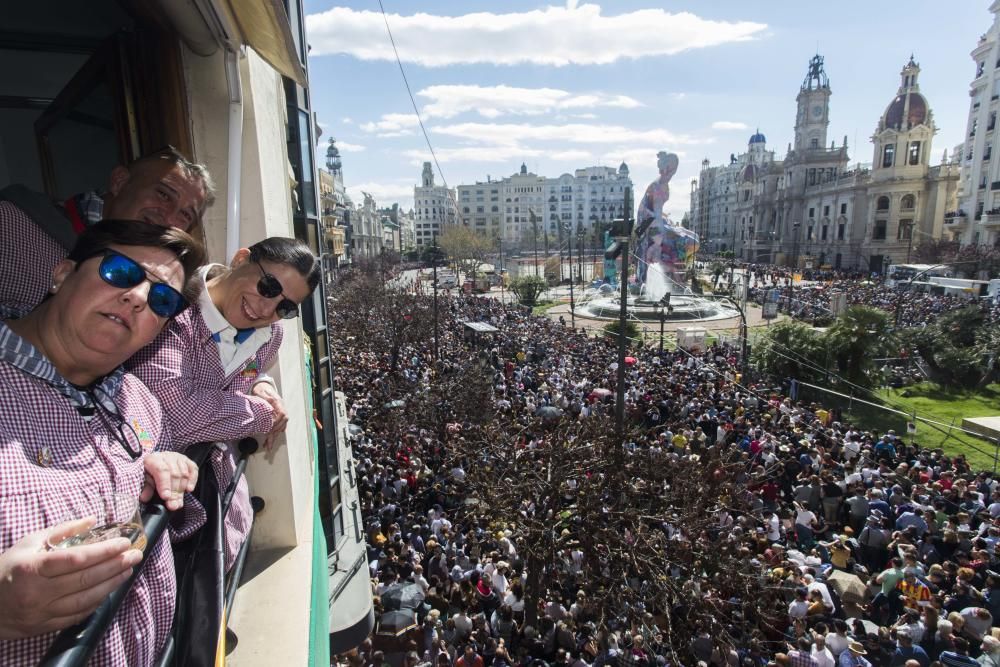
column 991, row 218
column 954, row 220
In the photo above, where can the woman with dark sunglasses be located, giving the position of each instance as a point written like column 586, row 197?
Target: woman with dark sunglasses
column 74, row 427
column 207, row 367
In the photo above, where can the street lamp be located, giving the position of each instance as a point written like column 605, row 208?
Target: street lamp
column 500, row 270
column 572, row 303
column 795, row 261
column 434, row 268
column 622, row 234
column 664, row 304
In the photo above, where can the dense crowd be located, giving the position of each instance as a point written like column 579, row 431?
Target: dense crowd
column 873, row 550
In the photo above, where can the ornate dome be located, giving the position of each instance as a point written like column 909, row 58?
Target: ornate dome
column 749, row 173
column 623, row 169
column 912, row 105
column 758, row 138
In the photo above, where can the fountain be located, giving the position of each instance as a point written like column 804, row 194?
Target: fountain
column 665, row 252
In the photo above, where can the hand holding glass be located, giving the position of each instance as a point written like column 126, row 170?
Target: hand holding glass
column 116, row 515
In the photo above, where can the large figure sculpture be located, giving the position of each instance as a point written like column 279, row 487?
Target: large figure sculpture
column 665, row 250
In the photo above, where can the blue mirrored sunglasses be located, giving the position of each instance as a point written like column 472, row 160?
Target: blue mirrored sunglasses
column 124, row 272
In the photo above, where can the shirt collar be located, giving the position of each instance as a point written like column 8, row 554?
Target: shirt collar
column 214, row 320
column 22, row 355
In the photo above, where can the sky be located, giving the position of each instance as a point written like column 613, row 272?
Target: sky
column 562, row 86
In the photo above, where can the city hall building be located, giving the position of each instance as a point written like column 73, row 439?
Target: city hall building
column 813, row 208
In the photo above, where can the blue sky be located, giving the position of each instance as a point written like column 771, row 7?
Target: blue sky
column 566, row 85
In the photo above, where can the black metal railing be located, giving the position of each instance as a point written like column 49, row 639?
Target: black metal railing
column 74, row 646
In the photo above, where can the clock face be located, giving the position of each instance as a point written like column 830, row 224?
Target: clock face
column 817, row 111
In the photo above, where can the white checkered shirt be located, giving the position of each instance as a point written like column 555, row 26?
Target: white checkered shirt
column 52, row 460
column 27, row 257
column 182, row 367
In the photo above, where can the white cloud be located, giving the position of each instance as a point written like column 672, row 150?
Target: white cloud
column 505, row 153
column 447, row 101
column 729, row 125
column 507, row 134
column 392, row 125
column 347, row 147
column 346, row 120
column 583, row 35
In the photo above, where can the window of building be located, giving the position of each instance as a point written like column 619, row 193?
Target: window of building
column 823, row 232
column 814, row 143
column 882, row 204
column 908, row 202
column 905, row 230
column 840, row 231
column 888, row 155
column 878, row 233
column 843, row 209
column 914, row 157
column 812, row 212
column 826, row 211
column 809, row 233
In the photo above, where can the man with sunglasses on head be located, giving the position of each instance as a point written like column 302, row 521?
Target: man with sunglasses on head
column 74, row 427
column 162, row 188
column 207, row 366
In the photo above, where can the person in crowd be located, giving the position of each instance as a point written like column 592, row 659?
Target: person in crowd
column 207, row 367
column 78, row 427
column 162, row 188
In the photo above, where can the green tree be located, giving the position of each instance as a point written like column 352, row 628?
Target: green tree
column 790, row 349
column 959, row 348
column 632, row 332
column 856, row 339
column 528, row 289
column 466, row 248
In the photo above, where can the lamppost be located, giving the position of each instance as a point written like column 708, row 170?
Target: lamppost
column 572, row 302
column 579, row 253
column 434, row 268
column 622, row 237
column 500, row 271
column 795, row 261
column 534, row 231
column 664, row 304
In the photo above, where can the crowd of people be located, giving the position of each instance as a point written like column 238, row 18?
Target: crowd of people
column 871, row 549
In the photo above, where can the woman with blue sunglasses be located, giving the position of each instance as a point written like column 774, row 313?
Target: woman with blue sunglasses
column 207, row 367
column 75, row 427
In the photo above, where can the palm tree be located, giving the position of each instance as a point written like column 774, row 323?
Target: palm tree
column 857, row 338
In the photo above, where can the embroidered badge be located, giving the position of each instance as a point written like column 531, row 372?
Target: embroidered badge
column 44, row 457
column 145, row 440
column 251, row 370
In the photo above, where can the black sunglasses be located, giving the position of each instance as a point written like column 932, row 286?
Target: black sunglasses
column 124, row 272
column 269, row 287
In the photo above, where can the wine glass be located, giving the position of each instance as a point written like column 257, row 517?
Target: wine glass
column 116, row 514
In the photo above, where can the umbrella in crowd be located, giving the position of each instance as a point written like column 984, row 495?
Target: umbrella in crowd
column 395, row 623
column 548, row 412
column 849, row 587
column 402, row 597
column 600, row 392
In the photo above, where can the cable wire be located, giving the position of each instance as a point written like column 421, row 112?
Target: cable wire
column 416, row 111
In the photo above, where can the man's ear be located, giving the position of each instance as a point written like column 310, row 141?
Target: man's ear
column 119, row 177
column 241, row 257
column 60, row 273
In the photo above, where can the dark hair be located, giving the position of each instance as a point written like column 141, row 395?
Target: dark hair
column 291, row 252
column 101, row 236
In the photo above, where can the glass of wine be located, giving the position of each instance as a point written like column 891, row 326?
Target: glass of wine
column 116, row 514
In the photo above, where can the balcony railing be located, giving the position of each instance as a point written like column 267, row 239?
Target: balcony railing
column 74, row 646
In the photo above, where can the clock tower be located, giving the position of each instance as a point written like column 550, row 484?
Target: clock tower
column 813, row 107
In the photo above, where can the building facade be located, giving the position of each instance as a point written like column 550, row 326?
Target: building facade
column 813, row 208
column 976, row 220
column 367, row 234
column 433, row 208
column 481, row 207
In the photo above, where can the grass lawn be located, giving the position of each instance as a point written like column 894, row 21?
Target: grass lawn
column 542, row 307
column 931, row 402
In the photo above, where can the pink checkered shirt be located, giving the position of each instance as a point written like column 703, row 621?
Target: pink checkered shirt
column 52, row 459
column 182, row 367
column 27, row 257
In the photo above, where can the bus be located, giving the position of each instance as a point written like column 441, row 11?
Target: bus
column 902, row 272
